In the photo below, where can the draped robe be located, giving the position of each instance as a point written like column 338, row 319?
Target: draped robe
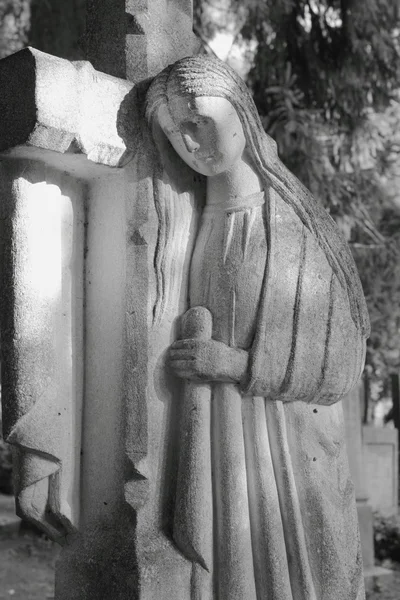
column 284, row 518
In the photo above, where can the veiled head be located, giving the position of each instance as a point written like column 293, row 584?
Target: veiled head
column 207, row 113
column 202, row 76
column 195, row 77
column 206, row 132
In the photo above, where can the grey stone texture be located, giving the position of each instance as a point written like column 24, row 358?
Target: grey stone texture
column 105, row 494
column 355, row 451
column 64, row 107
column 9, row 522
column 198, row 459
column 40, row 326
column 132, row 38
column 289, row 322
column 381, row 466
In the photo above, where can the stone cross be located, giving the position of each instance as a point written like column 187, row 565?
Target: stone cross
column 87, row 403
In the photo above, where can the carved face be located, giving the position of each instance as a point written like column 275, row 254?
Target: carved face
column 206, row 132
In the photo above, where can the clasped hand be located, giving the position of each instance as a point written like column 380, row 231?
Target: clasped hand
column 207, row 360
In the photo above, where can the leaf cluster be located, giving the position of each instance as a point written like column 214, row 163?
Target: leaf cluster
column 343, row 54
column 387, row 537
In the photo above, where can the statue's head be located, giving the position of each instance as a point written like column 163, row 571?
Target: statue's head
column 203, row 90
column 207, row 113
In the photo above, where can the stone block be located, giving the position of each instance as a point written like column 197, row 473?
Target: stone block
column 146, row 35
column 381, row 464
column 365, row 521
column 55, row 105
column 374, row 578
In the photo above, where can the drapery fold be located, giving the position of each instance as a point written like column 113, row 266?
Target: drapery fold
column 307, row 346
column 284, row 515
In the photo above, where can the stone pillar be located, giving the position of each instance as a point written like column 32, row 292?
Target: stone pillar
column 355, row 447
column 352, row 416
column 42, row 237
column 381, row 466
column 78, row 156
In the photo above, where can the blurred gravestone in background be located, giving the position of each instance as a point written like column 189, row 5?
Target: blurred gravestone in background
column 5, row 466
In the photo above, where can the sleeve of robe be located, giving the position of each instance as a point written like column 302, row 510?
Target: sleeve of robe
column 306, row 346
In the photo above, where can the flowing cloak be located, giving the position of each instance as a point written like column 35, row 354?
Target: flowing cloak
column 283, row 521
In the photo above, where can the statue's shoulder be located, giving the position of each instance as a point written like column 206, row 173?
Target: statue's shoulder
column 280, row 212
column 291, row 237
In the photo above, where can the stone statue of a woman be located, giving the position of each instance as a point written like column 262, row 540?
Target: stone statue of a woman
column 288, row 341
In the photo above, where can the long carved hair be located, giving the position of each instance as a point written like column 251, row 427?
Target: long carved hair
column 206, row 76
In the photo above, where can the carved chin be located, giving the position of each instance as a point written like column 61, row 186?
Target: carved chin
column 213, row 165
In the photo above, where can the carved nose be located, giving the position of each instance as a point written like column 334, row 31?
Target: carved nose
column 191, row 144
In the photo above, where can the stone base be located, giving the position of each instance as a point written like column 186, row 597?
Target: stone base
column 365, row 521
column 9, row 522
column 373, row 578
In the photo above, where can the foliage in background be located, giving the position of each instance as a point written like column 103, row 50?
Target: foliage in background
column 387, row 537
column 14, row 25
column 325, row 79
column 53, row 26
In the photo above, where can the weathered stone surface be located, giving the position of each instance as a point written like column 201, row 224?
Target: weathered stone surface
column 355, row 451
column 52, row 104
column 289, row 324
column 232, row 511
column 42, row 231
column 381, row 466
column 121, row 546
column 135, row 38
column 194, row 536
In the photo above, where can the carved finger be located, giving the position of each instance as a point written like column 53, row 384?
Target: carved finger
column 189, row 376
column 183, row 373
column 183, row 365
column 182, row 354
column 187, row 343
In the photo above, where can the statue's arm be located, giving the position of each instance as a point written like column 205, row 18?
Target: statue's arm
column 341, row 360
column 324, row 359
column 343, row 371
column 307, row 346
column 208, row 360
